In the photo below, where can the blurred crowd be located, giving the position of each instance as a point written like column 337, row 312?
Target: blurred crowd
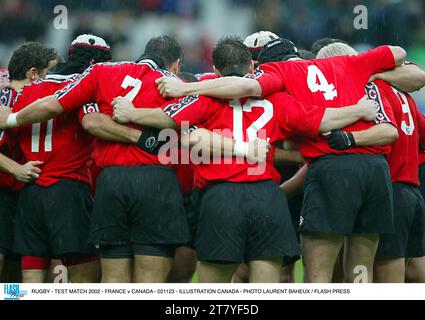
column 197, row 24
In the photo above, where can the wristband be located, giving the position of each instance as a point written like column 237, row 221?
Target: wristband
column 241, row 149
column 12, row 121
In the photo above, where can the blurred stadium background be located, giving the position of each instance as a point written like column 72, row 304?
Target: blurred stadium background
column 197, row 24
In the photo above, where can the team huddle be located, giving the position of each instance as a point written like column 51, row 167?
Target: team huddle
column 138, row 172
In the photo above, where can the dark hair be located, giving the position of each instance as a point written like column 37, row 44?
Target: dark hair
column 30, row 55
column 306, row 54
column 232, row 57
column 187, row 77
column 166, row 48
column 321, row 43
column 81, row 57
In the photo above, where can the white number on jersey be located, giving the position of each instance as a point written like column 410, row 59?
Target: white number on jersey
column 131, row 82
column 408, row 129
column 260, row 123
column 35, row 138
column 317, row 82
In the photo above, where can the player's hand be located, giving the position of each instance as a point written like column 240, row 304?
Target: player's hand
column 123, row 109
column 170, row 87
column 368, row 109
column 28, row 172
column 4, row 83
column 257, row 151
column 4, row 114
column 340, row 140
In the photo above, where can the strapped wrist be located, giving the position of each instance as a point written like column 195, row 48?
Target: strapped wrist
column 12, row 120
column 241, row 149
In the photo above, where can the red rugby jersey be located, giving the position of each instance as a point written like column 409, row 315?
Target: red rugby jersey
column 333, row 82
column 101, row 84
column 404, row 157
column 61, row 143
column 275, row 118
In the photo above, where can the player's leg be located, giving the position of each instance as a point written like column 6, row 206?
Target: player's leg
column 359, row 256
column 408, row 240
column 184, row 266
column 374, row 222
column 8, row 201
column 221, row 234
column 389, row 270
column 332, row 197
column 288, row 269
column 116, row 270
column 57, row 273
column 242, row 274
column 110, row 229
column 151, row 269
column 270, row 232
column 158, row 222
column 35, row 269
column 185, row 259
column 31, row 233
column 70, row 218
column 216, row 272
column 83, row 269
column 320, row 252
column 415, row 270
column 338, row 276
column 265, row 271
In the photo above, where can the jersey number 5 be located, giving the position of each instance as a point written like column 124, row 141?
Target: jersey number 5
column 260, row 123
column 317, row 82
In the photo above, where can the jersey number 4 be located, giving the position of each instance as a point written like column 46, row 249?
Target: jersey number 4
column 255, row 127
column 317, row 82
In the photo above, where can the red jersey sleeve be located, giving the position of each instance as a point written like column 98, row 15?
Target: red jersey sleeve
column 385, row 110
column 88, row 108
column 79, row 92
column 374, row 61
column 270, row 78
column 295, row 118
column 193, row 109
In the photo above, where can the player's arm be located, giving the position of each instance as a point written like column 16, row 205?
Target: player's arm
column 23, row 173
column 382, row 134
column 103, row 127
column 379, row 135
column 76, row 94
column 226, row 88
column 38, row 111
column 399, row 55
column 125, row 112
column 282, row 156
column 215, row 144
column 287, row 154
column 337, row 118
column 295, row 185
column 407, row 77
